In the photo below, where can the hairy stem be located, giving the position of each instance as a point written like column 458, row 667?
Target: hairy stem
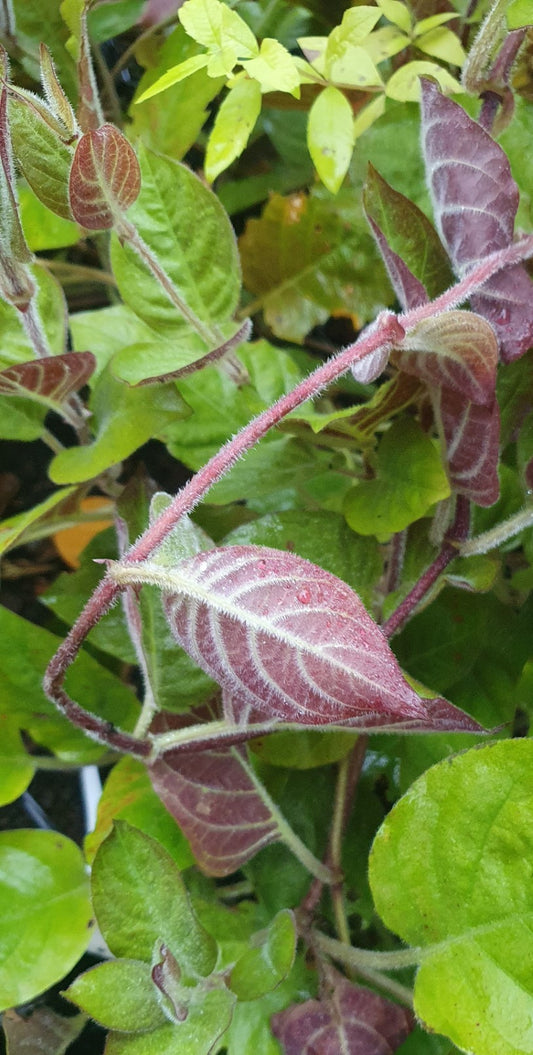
column 359, row 961
column 457, row 533
column 499, row 534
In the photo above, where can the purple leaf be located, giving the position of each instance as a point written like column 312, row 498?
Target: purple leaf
column 105, row 178
column 215, row 803
column 408, row 289
column 472, row 437
column 475, row 200
column 286, row 639
column 456, row 349
column 51, row 379
column 351, row 1019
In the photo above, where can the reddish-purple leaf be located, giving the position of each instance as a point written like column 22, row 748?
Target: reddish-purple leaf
column 475, row 200
column 456, row 349
column 287, row 640
column 352, row 1020
column 52, row 379
column 214, row 801
column 105, row 178
column 472, row 436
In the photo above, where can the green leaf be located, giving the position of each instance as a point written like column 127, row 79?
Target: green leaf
column 184, row 225
column 24, row 699
column 175, row 75
column 250, row 1032
column 128, row 795
column 113, row 18
column 274, row 68
column 44, row 229
column 39, row 521
column 43, row 158
column 447, row 874
column 268, row 961
column 207, row 1019
column 409, row 233
column 397, row 13
column 50, row 303
column 330, row 137
column 155, row 123
column 21, row 419
column 309, row 257
column 43, row 21
column 119, row 995
column 217, row 27
column 303, row 749
column 404, row 84
column 46, row 912
column 16, row 767
column 519, row 13
column 444, row 44
column 125, row 418
column 233, row 126
column 134, row 881
column 410, row 479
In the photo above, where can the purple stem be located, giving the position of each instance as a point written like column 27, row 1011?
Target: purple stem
column 457, row 533
column 388, row 330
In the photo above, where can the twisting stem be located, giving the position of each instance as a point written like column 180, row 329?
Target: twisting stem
column 457, row 533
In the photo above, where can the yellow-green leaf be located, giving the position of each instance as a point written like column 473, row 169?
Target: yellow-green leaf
column 233, row 126
column 330, row 137
column 404, row 85
column 274, row 68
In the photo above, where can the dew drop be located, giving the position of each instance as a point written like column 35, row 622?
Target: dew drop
column 304, row 595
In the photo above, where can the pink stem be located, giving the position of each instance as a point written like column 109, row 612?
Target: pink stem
column 387, row 330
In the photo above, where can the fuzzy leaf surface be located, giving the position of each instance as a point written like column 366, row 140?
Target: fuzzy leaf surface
column 208, row 1017
column 457, row 349
column 475, row 200
column 349, row 1019
column 44, row 900
column 411, row 248
column 449, row 873
column 287, row 640
column 268, row 961
column 119, row 995
column 105, row 178
column 215, row 803
column 471, row 437
column 127, row 870
column 50, row 380
column 43, row 158
column 183, row 224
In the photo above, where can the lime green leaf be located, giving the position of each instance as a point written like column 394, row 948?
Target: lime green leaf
column 303, row 749
column 156, row 124
column 184, row 225
column 357, row 23
column 397, row 13
column 311, row 256
column 404, row 84
column 385, row 42
column 119, row 995
column 173, row 76
column 274, row 68
column 24, row 526
column 222, row 31
column 16, row 767
column 447, row 874
column 330, row 137
column 46, row 912
column 134, row 881
column 208, row 1016
column 354, row 68
column 268, row 961
column 126, row 418
column 233, row 126
column 113, row 18
column 43, row 159
column 24, row 699
column 410, row 479
column 128, row 795
column 21, row 419
column 519, row 13
column 444, row 44
column 366, row 117
column 426, row 24
column 43, row 228
column 42, row 21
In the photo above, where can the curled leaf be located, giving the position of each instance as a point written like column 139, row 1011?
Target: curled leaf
column 49, row 380
column 471, row 435
column 457, row 349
